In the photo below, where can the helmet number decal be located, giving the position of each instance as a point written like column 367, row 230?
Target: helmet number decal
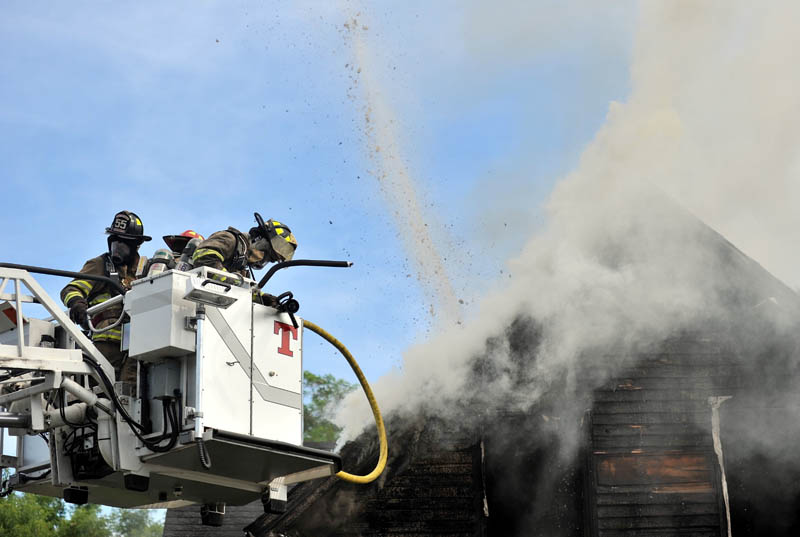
column 120, row 224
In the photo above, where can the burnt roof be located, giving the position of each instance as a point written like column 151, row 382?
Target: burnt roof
column 430, row 487
column 185, row 521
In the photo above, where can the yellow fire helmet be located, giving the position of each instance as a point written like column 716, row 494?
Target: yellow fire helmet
column 274, row 237
column 283, row 242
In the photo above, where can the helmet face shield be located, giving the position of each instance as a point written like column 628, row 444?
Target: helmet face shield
column 283, row 248
column 283, row 242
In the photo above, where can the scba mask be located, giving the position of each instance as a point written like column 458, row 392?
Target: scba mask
column 121, row 252
column 260, row 253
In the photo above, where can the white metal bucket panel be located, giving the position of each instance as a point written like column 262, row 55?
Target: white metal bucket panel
column 225, row 387
column 277, row 412
column 158, row 315
column 278, row 349
column 278, row 352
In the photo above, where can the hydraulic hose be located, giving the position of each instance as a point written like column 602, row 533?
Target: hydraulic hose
column 301, row 262
column 384, row 449
column 68, row 274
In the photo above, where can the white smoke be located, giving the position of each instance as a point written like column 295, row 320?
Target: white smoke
column 712, row 123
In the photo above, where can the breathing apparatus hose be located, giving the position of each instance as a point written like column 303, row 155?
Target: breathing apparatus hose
column 384, row 449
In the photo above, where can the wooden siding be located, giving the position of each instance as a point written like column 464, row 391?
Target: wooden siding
column 651, row 466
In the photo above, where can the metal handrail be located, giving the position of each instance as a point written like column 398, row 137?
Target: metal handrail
column 97, row 307
column 20, row 275
column 103, row 306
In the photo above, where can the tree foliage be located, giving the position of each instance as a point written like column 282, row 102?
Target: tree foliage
column 31, row 515
column 321, row 395
column 85, row 521
column 136, row 523
column 28, row 515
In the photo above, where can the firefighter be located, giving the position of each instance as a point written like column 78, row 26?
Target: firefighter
column 177, row 243
column 125, row 236
column 234, row 251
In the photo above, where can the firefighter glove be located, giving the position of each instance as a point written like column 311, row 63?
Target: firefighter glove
column 267, row 299
column 77, row 312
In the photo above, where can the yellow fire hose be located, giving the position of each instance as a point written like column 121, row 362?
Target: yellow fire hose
column 384, row 449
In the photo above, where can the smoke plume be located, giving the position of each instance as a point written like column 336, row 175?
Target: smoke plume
column 708, row 133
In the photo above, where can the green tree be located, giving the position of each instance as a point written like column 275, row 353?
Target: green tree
column 85, row 521
column 29, row 515
column 136, row 523
column 321, row 395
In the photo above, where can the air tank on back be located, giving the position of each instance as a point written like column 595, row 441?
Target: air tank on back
column 161, row 261
column 185, row 262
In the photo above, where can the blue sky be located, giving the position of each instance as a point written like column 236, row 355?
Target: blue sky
column 196, row 114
